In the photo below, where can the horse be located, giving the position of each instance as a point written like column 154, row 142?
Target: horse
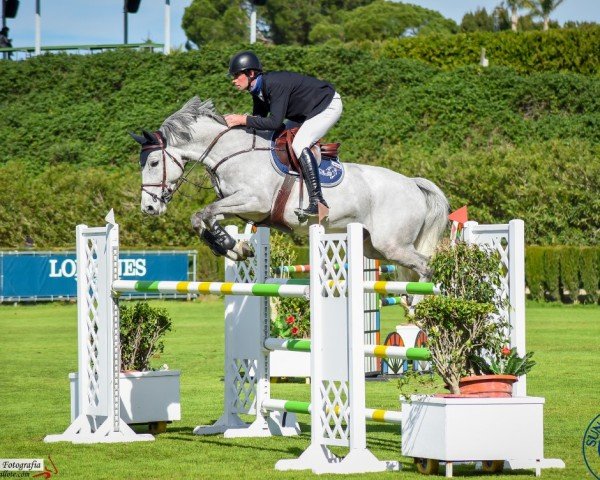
column 404, row 217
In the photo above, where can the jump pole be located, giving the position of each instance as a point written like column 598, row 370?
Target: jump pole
column 376, row 415
column 378, row 351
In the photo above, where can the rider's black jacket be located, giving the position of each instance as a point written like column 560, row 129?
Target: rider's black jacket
column 288, row 95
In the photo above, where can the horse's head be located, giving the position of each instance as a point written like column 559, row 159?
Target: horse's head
column 162, row 169
column 185, row 135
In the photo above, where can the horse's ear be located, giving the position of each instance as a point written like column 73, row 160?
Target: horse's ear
column 150, row 137
column 138, row 138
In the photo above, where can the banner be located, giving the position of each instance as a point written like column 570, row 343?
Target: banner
column 48, row 275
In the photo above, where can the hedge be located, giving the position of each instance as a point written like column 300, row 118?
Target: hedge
column 568, row 274
column 510, row 145
column 556, row 50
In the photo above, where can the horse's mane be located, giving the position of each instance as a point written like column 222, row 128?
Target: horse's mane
column 178, row 127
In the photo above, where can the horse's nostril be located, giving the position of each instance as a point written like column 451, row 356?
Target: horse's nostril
column 150, row 208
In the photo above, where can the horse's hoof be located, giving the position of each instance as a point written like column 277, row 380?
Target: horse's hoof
column 245, row 249
column 231, row 255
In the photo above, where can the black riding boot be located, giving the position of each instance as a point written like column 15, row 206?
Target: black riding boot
column 309, row 166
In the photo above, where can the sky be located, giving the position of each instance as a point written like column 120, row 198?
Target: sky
column 84, row 22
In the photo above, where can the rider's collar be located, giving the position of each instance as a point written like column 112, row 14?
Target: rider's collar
column 256, row 89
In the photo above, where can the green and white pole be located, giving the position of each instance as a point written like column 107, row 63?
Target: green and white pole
column 379, row 351
column 215, row 288
column 402, row 288
column 376, row 415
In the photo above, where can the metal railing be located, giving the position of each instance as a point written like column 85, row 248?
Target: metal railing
column 19, row 53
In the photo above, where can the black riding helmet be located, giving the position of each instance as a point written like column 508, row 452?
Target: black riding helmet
column 244, row 61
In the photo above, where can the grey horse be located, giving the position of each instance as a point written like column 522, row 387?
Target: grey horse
column 404, row 217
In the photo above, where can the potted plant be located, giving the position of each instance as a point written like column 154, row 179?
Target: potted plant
column 467, row 338
column 463, row 324
column 149, row 395
column 496, row 372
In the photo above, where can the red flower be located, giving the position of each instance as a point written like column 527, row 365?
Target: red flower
column 295, row 331
column 289, row 320
column 505, row 351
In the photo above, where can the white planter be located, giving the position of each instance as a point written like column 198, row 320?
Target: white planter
column 476, row 429
column 283, row 363
column 146, row 397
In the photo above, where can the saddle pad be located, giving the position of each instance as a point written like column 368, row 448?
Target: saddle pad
column 331, row 170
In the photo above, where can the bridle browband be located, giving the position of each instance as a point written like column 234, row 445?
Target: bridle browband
column 167, row 192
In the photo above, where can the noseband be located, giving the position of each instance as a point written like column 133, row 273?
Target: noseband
column 166, row 193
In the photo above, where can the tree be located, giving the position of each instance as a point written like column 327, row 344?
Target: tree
column 310, row 21
column 216, row 21
column 501, row 19
column 380, row 20
column 514, row 6
column 480, row 21
column 543, row 8
column 294, row 25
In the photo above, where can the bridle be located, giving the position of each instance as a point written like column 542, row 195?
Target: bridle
column 167, row 191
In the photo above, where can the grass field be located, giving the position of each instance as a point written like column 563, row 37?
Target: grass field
column 38, row 349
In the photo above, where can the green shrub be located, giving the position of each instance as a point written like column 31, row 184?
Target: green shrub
column 142, row 330
column 552, row 272
column 589, row 268
column 534, row 272
column 462, row 323
column 573, row 50
column 569, row 272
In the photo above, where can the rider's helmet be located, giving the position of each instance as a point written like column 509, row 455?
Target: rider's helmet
column 244, row 61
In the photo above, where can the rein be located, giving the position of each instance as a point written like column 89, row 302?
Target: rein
column 167, row 192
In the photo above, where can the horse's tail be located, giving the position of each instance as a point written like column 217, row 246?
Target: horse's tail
column 436, row 220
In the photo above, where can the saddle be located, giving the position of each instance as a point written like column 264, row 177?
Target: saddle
column 285, row 152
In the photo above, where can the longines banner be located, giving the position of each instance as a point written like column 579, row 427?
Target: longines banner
column 48, row 275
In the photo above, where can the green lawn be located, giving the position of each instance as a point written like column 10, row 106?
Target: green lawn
column 38, row 350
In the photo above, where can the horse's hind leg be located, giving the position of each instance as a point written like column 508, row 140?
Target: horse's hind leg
column 408, row 257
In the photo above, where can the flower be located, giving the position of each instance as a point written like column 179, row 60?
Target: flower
column 288, row 325
column 505, row 351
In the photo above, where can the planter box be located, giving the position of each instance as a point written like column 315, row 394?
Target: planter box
column 284, row 363
column 146, row 397
column 476, row 429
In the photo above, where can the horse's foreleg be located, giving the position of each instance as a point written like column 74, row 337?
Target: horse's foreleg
column 210, row 231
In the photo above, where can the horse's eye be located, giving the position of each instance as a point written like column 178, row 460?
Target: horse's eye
column 154, row 163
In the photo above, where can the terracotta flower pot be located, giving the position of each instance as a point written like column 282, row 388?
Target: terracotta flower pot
column 498, row 386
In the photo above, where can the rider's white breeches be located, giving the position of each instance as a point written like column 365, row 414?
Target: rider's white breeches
column 316, row 127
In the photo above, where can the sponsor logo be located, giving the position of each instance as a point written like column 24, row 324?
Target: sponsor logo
column 591, row 447
column 128, row 267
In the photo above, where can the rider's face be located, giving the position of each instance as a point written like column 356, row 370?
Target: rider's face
column 240, row 80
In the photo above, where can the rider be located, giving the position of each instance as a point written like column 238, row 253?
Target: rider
column 300, row 98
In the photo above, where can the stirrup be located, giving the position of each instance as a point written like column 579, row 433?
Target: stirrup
column 320, row 210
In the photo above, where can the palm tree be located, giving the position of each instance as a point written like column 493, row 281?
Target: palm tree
column 543, row 8
column 514, row 6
